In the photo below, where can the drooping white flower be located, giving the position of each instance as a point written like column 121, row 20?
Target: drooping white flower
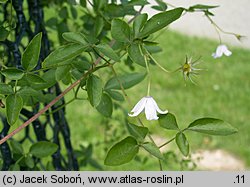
column 150, row 107
column 221, row 49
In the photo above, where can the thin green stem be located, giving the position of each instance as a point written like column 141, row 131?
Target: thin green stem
column 149, row 136
column 161, row 169
column 218, row 28
column 162, row 68
column 101, row 56
column 166, row 142
column 149, row 76
column 169, row 141
column 120, row 84
column 17, row 162
column 77, row 90
column 215, row 27
column 59, row 108
column 137, row 14
column 2, row 65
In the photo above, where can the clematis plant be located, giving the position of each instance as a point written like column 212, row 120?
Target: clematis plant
column 86, row 61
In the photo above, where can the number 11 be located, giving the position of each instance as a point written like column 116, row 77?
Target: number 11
column 240, row 179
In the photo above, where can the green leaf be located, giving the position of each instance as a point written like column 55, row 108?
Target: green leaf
column 98, row 5
column 74, row 11
column 76, row 74
column 48, row 77
column 212, row 126
column 3, row 1
column 31, row 54
column 74, row 37
column 118, row 10
column 94, row 90
column 201, row 7
column 128, row 80
column 61, row 27
column 168, row 121
column 115, row 95
column 122, row 152
column 81, row 65
column 16, row 147
column 105, row 107
column 63, row 13
column 152, row 149
column 64, row 53
column 182, row 143
column 83, row 3
column 14, row 104
column 208, row 13
column 67, row 79
column 160, row 21
column 108, row 51
column 138, row 3
column 136, row 55
column 162, row 6
column 29, row 161
column 30, row 92
column 137, row 132
column 5, row 89
column 62, row 71
column 50, row 166
column 34, row 79
column 120, row 30
column 138, row 23
column 99, row 24
column 43, row 149
column 153, row 49
column 4, row 33
column 12, row 73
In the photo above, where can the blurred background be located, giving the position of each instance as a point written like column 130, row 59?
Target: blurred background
column 231, row 16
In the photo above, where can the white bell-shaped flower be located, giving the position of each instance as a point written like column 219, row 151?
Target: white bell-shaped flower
column 150, row 107
column 221, row 49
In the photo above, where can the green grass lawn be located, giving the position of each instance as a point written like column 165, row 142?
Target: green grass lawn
column 222, row 91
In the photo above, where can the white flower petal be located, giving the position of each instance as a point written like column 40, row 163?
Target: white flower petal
column 214, row 55
column 157, row 108
column 138, row 108
column 227, row 52
column 139, row 104
column 219, row 50
column 150, row 110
